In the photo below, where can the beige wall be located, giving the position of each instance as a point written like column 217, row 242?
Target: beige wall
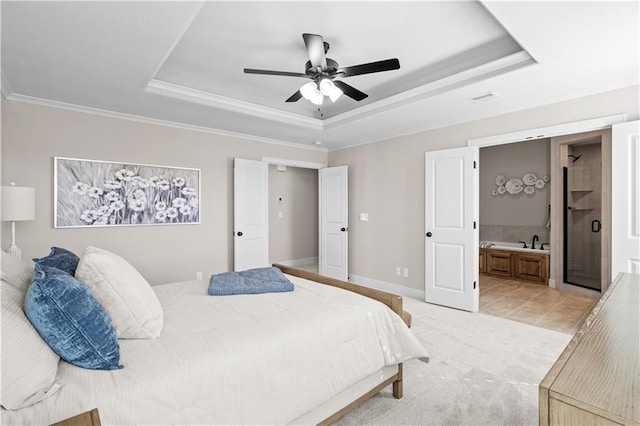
column 294, row 193
column 32, row 135
column 514, row 160
column 386, row 180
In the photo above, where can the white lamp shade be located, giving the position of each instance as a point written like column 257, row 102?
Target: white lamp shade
column 308, row 90
column 328, row 88
column 311, row 93
column 18, row 203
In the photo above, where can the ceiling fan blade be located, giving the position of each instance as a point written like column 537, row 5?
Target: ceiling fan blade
column 269, row 72
column 294, row 97
column 378, row 66
column 315, row 49
column 350, row 91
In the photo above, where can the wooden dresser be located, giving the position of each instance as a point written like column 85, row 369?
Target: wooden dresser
column 596, row 380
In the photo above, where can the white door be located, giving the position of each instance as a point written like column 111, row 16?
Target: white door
column 250, row 214
column 334, row 222
column 625, row 198
column 451, row 234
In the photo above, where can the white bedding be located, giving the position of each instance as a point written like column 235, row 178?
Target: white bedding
column 246, row 359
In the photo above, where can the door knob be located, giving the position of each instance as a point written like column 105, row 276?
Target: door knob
column 239, row 234
column 343, row 229
column 429, row 234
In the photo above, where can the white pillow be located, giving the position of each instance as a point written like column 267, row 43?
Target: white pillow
column 29, row 365
column 133, row 305
column 17, row 272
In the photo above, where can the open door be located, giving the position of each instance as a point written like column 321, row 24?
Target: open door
column 451, row 234
column 334, row 222
column 625, row 198
column 250, row 214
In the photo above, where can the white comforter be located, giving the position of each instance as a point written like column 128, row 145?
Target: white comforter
column 247, row 359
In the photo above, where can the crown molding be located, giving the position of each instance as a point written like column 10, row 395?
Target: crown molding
column 155, row 121
column 189, row 94
column 491, row 69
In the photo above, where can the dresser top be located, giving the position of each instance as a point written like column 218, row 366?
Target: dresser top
column 602, row 372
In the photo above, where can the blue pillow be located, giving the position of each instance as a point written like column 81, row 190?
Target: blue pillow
column 60, row 258
column 70, row 319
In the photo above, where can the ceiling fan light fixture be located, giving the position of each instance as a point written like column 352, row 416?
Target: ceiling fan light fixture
column 323, row 70
column 329, row 89
column 311, row 93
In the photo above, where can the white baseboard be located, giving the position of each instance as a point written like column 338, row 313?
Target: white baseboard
column 299, row 262
column 386, row 286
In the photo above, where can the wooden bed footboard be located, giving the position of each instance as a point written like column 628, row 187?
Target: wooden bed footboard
column 393, row 301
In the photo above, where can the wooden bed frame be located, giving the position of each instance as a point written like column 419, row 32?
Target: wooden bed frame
column 393, row 301
column 392, row 374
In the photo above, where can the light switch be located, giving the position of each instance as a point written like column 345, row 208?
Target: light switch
column 364, row 217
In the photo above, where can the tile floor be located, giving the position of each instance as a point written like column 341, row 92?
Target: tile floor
column 529, row 303
column 533, row 304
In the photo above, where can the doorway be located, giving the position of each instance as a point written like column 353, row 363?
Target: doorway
column 251, row 215
column 293, row 215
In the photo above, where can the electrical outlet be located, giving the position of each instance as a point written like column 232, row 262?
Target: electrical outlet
column 198, row 275
column 397, row 270
column 405, row 272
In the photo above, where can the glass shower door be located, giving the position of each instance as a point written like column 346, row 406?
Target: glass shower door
column 582, row 227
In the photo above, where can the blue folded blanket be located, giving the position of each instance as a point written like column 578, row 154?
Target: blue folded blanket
column 251, row 281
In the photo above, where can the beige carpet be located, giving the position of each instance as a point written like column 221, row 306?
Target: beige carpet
column 483, row 370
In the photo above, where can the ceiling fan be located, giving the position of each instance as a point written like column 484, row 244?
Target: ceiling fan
column 323, row 71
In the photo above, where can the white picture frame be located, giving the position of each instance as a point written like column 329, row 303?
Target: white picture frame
column 95, row 193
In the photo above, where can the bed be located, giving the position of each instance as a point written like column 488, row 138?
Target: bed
column 302, row 357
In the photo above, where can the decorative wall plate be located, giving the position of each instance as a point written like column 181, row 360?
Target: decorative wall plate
column 529, row 190
column 500, row 180
column 494, row 192
column 539, row 184
column 546, row 178
column 529, row 178
column 501, row 189
column 514, row 186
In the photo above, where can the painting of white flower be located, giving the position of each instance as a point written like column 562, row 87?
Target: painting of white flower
column 101, row 193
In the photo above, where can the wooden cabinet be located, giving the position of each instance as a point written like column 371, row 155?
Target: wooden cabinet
column 499, row 263
column 523, row 266
column 596, row 380
column 531, row 267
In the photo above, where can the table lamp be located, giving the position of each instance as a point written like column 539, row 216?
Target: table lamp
column 18, row 203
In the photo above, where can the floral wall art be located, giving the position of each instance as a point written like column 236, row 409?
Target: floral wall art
column 102, row 193
column 528, row 184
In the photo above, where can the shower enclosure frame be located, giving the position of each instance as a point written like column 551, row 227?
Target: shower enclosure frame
column 559, row 159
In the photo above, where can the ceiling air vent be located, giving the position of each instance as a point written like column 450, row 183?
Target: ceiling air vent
column 484, row 98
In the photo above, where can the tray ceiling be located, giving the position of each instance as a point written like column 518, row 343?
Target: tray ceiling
column 182, row 62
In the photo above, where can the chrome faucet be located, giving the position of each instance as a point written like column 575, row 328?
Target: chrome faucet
column 533, row 241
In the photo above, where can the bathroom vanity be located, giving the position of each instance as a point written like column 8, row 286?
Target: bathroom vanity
column 518, row 265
